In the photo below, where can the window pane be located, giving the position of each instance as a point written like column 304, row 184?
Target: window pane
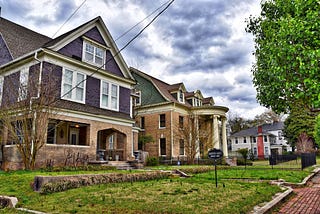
column 80, row 80
column 67, row 89
column 104, row 100
column 99, row 56
column 89, row 48
column 98, row 61
column 105, row 88
column 114, row 91
column 88, row 57
column 99, row 52
column 79, row 94
column 68, row 75
column 114, row 103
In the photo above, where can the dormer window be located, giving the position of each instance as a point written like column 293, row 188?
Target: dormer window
column 138, row 98
column 93, row 53
column 197, row 102
column 181, row 96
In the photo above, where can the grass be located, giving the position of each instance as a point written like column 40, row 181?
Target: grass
column 197, row 194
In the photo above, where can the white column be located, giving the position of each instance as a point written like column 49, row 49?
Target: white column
column 215, row 132
column 197, row 136
column 224, row 137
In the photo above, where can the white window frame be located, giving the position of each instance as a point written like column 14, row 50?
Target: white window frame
column 180, row 96
column 138, row 98
column 110, row 96
column 74, row 85
column 23, row 84
column 162, row 127
column 94, row 54
column 1, row 88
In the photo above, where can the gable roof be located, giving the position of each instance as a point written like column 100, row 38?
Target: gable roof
column 20, row 40
column 163, row 88
column 266, row 128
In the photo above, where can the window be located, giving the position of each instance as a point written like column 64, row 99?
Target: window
column 266, row 150
column 51, row 133
column 73, row 86
column 180, row 122
column 138, row 98
column 181, row 147
column 197, row 102
column 244, row 140
column 255, row 151
column 93, row 54
column 23, row 87
column 74, row 136
column 280, row 135
column 254, row 139
column 265, row 138
column 142, row 122
column 111, row 142
column 162, row 121
column 236, row 140
column 1, row 88
column 162, row 146
column 109, row 96
column 180, row 96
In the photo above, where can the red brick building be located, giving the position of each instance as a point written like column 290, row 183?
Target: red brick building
column 176, row 118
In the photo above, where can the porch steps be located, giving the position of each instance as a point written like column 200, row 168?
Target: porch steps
column 124, row 165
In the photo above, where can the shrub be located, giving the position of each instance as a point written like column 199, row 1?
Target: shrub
column 152, row 161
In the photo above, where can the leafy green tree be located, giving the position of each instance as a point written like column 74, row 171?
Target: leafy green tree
column 143, row 140
column 300, row 120
column 244, row 153
column 317, row 132
column 287, row 51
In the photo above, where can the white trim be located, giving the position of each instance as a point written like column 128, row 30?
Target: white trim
column 1, row 88
column 96, row 117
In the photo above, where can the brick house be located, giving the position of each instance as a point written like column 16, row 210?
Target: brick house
column 164, row 111
column 262, row 141
column 92, row 92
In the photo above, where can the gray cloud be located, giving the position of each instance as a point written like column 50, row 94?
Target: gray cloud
column 200, row 34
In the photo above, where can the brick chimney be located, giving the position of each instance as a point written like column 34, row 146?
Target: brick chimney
column 260, row 143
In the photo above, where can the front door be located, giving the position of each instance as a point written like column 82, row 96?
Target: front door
column 74, row 136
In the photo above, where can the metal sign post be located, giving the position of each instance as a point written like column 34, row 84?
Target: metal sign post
column 215, row 154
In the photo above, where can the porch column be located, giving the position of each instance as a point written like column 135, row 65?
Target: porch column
column 224, row 137
column 215, row 132
column 197, row 136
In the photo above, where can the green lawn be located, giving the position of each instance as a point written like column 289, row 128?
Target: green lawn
column 197, row 194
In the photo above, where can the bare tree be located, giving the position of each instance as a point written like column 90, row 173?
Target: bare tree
column 304, row 143
column 197, row 136
column 26, row 108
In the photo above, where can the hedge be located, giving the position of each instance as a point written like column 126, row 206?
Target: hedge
column 50, row 184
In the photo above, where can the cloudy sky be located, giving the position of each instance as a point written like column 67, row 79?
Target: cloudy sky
column 201, row 43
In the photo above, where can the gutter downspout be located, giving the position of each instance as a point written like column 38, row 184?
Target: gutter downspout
column 171, row 127
column 34, row 98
